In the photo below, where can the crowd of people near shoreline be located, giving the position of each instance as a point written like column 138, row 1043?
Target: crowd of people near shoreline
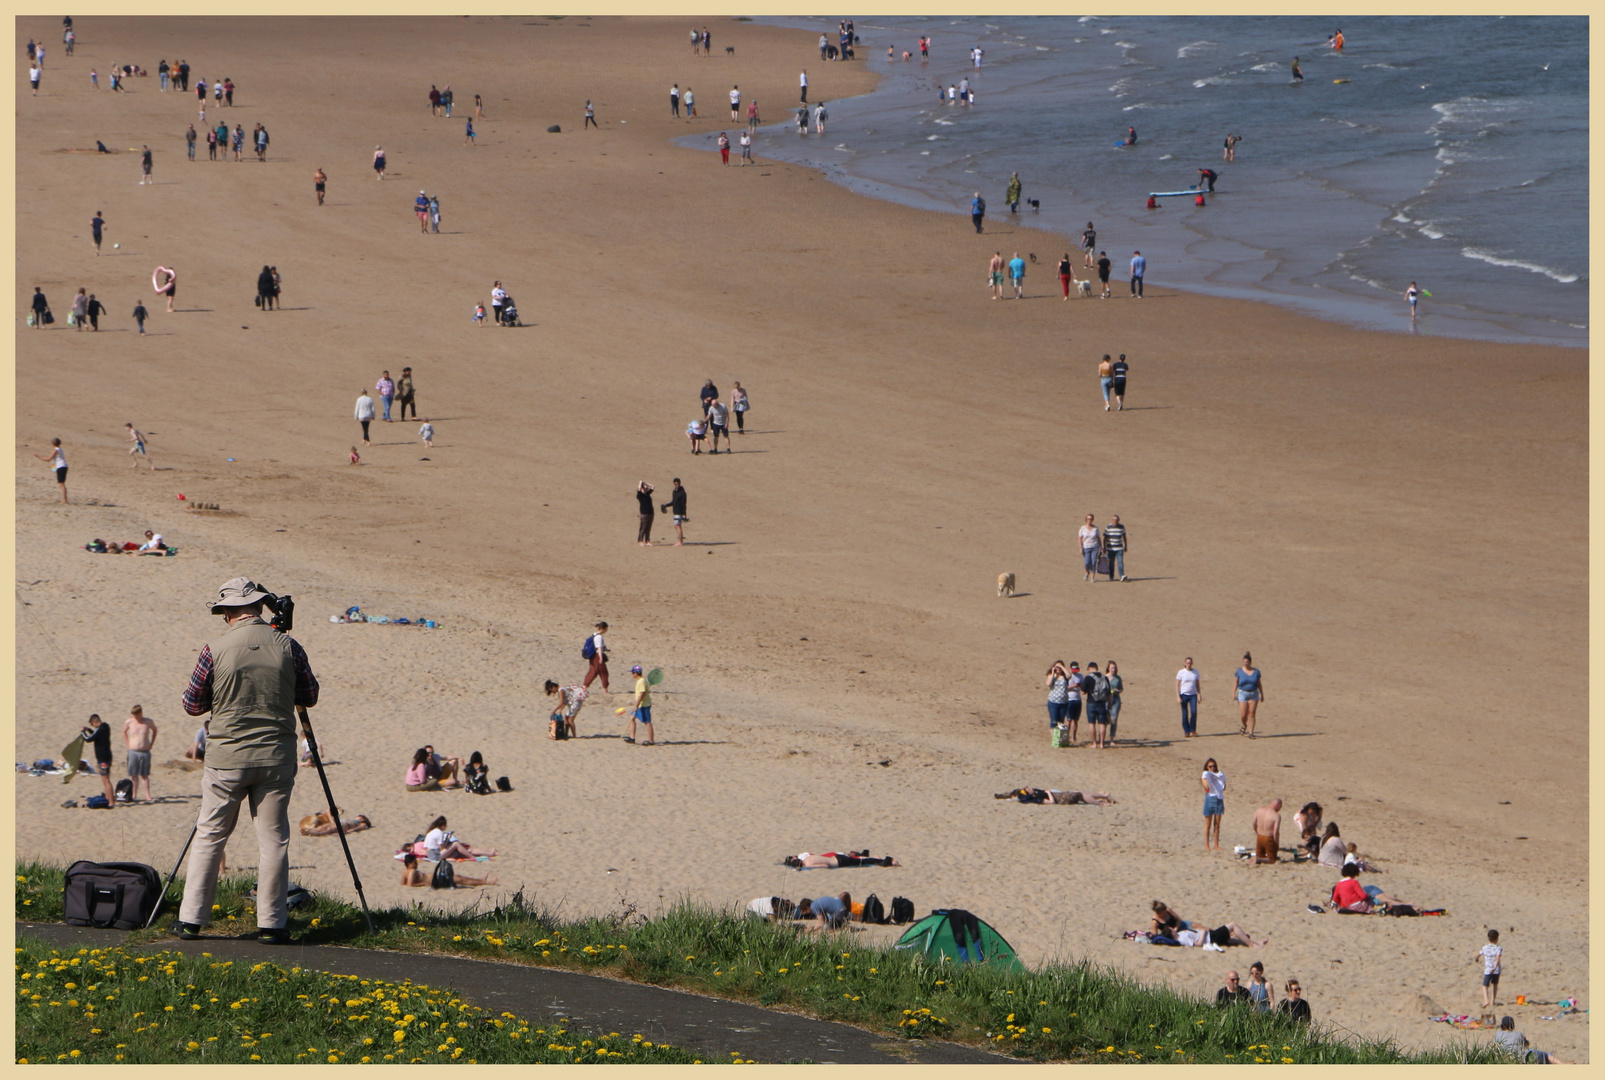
column 1074, row 694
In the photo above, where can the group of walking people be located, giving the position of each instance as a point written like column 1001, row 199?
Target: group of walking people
column 1070, row 689
column 1250, row 692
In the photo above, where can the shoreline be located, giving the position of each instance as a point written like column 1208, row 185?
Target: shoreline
column 837, row 607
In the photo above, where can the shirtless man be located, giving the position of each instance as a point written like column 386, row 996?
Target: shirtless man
column 994, row 271
column 1267, row 832
column 138, row 450
column 320, row 182
column 140, row 735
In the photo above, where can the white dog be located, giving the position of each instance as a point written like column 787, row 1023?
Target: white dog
column 1005, row 584
column 1084, row 288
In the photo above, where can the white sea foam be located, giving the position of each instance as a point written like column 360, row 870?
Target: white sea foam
column 1196, row 47
column 1384, row 67
column 1266, row 67
column 1213, row 80
column 925, row 153
column 1166, row 157
column 932, row 138
column 1429, row 230
column 1482, row 256
column 1087, row 19
column 1139, row 105
column 1039, row 48
column 1125, row 45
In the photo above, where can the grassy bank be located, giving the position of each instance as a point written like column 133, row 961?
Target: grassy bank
column 1060, row 1012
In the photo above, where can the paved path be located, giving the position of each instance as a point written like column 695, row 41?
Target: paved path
column 709, row 1026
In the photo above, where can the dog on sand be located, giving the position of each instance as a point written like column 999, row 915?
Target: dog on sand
column 1006, row 584
column 1084, row 287
column 730, row 50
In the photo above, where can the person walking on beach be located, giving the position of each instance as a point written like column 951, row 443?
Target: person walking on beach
column 1189, row 688
column 138, row 451
column 1088, row 534
column 387, row 393
column 1103, row 273
column 434, row 101
column 724, row 149
column 140, row 315
column 1017, row 275
column 696, row 41
column 674, row 100
column 58, row 461
column 739, row 405
column 426, row 432
column 1097, row 691
column 1492, row 957
column 145, row 166
column 690, row 103
column 1089, row 245
column 498, row 297
column 262, row 140
column 676, row 505
column 1011, row 194
column 643, row 497
column 709, row 394
column 643, row 708
column 1106, row 379
column 1066, row 274
column 1057, row 683
column 746, row 148
column 1118, row 386
column 264, row 289
column 189, row 142
column 94, row 309
column 1250, row 692
column 752, row 115
column 598, row 650
column 364, row 413
column 719, row 425
column 824, row 46
column 404, row 394
column 434, row 213
column 1139, row 267
column 170, row 288
column 79, row 314
column 1117, row 685
column 139, row 737
column 1214, row 782
column 802, row 121
column 590, row 119
column 34, row 73
column 470, row 136
column 735, row 104
column 319, row 181
column 239, row 141
column 420, row 206
column 1267, row 832
column 1114, row 546
column 803, row 82
column 977, row 210
column 39, row 307
column 379, row 162
column 1412, row 294
column 994, row 273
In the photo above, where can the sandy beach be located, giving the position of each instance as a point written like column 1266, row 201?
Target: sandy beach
column 1358, row 509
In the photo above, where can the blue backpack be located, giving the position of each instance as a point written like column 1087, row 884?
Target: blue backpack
column 588, row 650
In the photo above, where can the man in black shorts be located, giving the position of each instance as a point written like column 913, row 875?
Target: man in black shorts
column 1118, row 388
column 97, row 733
column 1103, row 273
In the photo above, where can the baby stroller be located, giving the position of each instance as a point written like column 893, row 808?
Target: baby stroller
column 510, row 313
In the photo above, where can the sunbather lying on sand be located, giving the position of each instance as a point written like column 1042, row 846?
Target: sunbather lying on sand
column 412, row 875
column 833, row 859
column 1062, row 798
column 321, row 824
column 1220, row 937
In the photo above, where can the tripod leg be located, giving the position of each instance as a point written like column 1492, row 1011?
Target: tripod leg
column 317, row 761
column 168, row 883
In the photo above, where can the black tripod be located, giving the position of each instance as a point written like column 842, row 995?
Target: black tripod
column 334, row 813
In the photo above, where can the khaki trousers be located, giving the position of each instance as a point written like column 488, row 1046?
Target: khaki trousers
column 266, row 791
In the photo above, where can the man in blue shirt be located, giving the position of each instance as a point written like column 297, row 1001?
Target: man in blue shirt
column 1017, row 273
column 1139, row 266
column 833, row 911
column 977, row 210
column 97, row 223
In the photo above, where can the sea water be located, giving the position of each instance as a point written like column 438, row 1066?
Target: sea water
column 1455, row 155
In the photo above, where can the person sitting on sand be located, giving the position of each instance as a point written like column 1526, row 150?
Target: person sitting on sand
column 321, row 824
column 1332, row 847
column 197, row 750
column 476, row 777
column 1061, row 798
column 1352, row 898
column 833, row 859
column 1308, row 821
column 1352, row 857
column 1513, row 1042
column 418, row 778
column 832, row 912
column 153, row 545
column 444, row 769
column 441, row 844
column 1166, row 922
column 412, row 875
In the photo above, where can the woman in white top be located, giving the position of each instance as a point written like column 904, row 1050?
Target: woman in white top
column 58, row 461
column 1214, row 782
column 441, row 844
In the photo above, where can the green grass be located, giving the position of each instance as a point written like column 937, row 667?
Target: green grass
column 1076, row 1012
column 139, row 1007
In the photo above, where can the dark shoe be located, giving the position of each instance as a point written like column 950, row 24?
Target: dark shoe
column 628, row 739
column 186, row 931
column 266, row 936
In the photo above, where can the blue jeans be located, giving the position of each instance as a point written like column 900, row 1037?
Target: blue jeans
column 1136, row 285
column 1106, row 382
column 1117, row 563
column 1058, row 713
column 1114, row 713
column 387, row 400
column 164, row 80
column 1089, row 559
column 1189, row 713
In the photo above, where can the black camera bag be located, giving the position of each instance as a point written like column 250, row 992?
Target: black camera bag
column 118, row 895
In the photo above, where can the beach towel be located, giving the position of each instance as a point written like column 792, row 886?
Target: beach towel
column 71, row 756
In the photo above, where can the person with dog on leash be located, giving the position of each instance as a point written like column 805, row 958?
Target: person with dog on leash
column 251, row 678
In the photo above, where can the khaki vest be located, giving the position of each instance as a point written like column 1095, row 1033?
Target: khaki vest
column 253, row 699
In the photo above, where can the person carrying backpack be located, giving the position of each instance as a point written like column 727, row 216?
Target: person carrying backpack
column 595, row 650
column 1095, row 686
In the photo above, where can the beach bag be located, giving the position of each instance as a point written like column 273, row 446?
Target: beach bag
column 1100, row 688
column 874, row 910
column 902, row 910
column 1103, row 563
column 557, row 728
column 1061, row 736
column 588, row 650
column 72, row 319
column 445, row 877
column 503, row 784
column 49, row 318
column 97, row 802
column 1402, row 909
column 30, row 318
column 258, row 299
column 117, row 896
column 125, row 790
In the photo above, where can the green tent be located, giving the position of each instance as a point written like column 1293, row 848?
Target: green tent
column 933, row 937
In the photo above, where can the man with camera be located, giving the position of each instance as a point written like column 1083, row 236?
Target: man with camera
column 251, row 678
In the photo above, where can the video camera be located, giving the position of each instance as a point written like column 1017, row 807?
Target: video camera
column 283, row 608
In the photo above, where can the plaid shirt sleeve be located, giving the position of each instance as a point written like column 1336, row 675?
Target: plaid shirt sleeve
column 198, row 694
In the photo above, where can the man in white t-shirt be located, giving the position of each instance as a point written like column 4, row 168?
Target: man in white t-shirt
column 1091, row 544
column 735, row 104
column 803, row 79
column 1189, row 686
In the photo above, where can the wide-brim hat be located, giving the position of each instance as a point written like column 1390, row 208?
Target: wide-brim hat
column 238, row 592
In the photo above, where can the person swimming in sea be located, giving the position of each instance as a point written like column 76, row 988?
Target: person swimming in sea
column 1298, row 73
